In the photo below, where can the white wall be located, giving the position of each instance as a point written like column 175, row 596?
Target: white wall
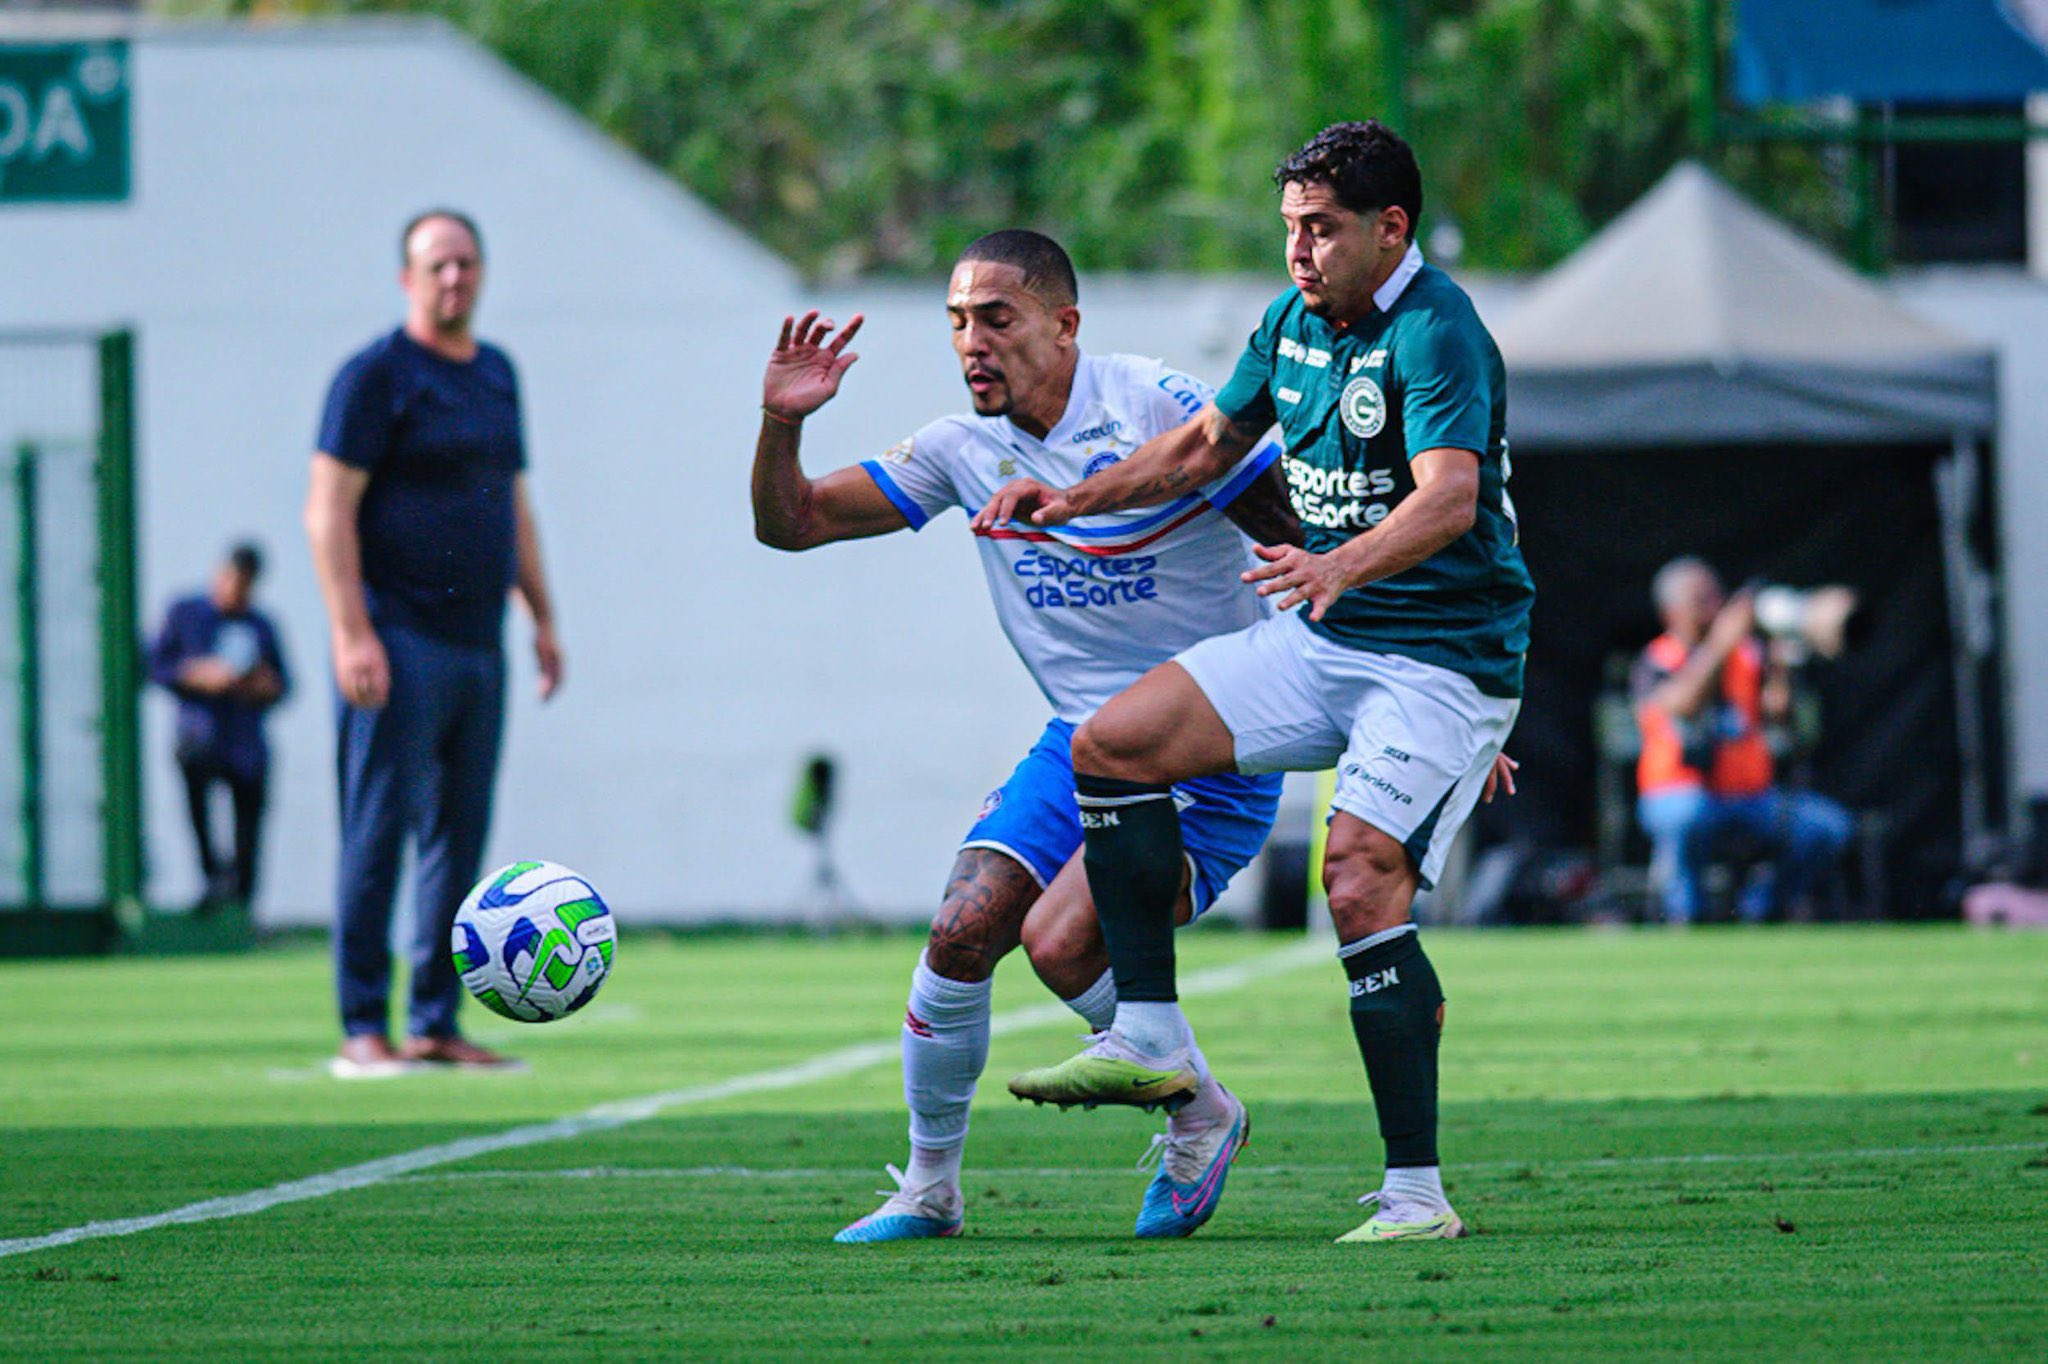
column 272, row 169
column 2009, row 309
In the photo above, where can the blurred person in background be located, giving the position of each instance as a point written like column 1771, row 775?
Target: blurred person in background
column 421, row 524
column 1706, row 692
column 222, row 659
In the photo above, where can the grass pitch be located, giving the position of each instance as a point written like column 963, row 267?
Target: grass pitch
column 1792, row 1143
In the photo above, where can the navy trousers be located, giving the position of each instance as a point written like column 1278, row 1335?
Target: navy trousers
column 423, row 764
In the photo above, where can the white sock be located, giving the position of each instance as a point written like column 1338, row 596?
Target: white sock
column 1097, row 1003
column 1207, row 1108
column 945, row 1046
column 933, row 1165
column 1157, row 1028
column 1417, row 1184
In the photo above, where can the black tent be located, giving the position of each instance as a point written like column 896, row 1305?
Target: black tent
column 1700, row 380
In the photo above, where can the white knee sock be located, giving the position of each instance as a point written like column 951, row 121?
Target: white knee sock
column 1097, row 1003
column 945, row 1046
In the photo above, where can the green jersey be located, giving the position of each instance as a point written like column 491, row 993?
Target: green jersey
column 1357, row 403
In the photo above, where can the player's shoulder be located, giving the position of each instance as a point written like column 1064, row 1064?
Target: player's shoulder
column 1146, row 380
column 936, row 442
column 1437, row 323
column 1434, row 302
column 952, row 430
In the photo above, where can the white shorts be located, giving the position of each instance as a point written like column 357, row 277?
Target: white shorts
column 1412, row 743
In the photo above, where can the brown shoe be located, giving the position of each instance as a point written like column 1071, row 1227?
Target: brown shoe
column 457, row 1051
column 366, row 1057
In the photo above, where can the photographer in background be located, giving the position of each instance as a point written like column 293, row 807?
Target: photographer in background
column 1705, row 692
column 221, row 658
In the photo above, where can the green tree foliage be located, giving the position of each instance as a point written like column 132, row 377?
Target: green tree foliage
column 858, row 135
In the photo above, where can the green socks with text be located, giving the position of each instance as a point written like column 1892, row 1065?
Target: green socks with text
column 1397, row 1014
column 1132, row 851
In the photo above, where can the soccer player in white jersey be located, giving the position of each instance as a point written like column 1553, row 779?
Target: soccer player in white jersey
column 1089, row 608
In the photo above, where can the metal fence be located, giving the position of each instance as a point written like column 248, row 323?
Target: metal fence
column 70, row 808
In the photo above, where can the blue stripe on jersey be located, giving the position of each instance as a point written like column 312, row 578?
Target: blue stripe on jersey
column 912, row 513
column 1260, row 461
column 1121, row 528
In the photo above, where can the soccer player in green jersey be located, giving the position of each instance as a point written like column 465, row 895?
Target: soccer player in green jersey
column 1404, row 670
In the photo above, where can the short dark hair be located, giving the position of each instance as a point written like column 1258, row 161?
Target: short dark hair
column 1366, row 165
column 246, row 558
column 1047, row 270
column 453, row 215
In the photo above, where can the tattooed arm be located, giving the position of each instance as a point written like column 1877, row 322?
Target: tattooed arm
column 1265, row 512
column 1192, row 454
column 794, row 512
column 791, row 511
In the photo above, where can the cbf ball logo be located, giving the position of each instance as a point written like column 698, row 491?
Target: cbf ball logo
column 1363, row 407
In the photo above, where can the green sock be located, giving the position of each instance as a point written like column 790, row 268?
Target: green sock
column 1397, row 1014
column 1132, row 850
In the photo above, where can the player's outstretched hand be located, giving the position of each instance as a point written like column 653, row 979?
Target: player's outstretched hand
column 1025, row 497
column 804, row 371
column 1317, row 579
column 1501, row 778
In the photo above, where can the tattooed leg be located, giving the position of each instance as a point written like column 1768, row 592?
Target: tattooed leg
column 982, row 917
column 945, row 1038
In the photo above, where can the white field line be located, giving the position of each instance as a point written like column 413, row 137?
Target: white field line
column 744, row 1172
column 831, row 1065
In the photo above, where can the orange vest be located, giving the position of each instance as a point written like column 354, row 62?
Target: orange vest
column 1742, row 760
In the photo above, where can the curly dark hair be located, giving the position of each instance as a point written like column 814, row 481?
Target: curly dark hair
column 1366, row 165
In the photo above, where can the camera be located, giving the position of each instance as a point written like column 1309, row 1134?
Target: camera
column 1823, row 621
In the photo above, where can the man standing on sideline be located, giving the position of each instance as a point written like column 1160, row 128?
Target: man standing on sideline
column 221, row 658
column 1087, row 610
column 421, row 523
column 1405, row 672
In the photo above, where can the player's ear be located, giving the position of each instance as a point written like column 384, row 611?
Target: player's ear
column 1393, row 226
column 1070, row 322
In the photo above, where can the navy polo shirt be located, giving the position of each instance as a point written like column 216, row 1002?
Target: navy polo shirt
column 441, row 442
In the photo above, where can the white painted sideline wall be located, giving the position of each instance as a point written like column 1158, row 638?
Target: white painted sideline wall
column 272, row 169
column 273, row 166
column 2008, row 308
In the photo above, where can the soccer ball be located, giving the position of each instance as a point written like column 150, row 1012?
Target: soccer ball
column 533, row 941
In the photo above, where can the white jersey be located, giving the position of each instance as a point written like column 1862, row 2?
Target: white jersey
column 1091, row 606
